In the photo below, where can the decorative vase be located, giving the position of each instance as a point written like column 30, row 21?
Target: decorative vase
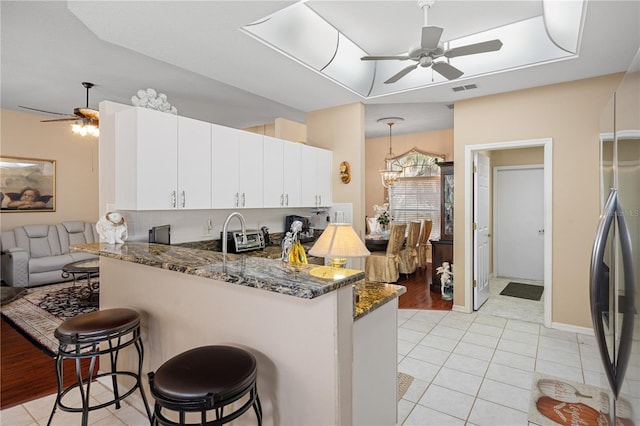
column 447, row 291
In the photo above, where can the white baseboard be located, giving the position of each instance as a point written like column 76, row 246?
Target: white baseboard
column 572, row 328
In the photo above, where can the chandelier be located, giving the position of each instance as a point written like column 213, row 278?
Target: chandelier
column 388, row 175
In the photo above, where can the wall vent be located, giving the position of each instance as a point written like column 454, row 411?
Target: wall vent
column 465, row 87
column 450, row 106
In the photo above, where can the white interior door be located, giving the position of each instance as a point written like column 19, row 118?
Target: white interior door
column 519, row 222
column 481, row 230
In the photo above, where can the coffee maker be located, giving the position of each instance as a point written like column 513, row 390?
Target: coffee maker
column 306, row 235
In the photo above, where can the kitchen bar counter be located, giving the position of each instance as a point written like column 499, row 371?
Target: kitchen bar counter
column 326, row 347
column 250, row 271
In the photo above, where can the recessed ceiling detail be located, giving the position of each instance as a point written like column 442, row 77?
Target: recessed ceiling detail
column 301, row 34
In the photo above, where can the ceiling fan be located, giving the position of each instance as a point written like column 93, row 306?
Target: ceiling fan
column 85, row 115
column 431, row 49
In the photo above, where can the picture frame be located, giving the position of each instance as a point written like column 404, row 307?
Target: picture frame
column 27, row 185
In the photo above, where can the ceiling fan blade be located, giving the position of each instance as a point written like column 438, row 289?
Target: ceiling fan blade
column 41, row 110
column 471, row 49
column 86, row 112
column 383, row 58
column 430, row 37
column 59, row 119
column 448, row 71
column 401, row 74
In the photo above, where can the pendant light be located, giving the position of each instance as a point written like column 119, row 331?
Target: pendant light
column 388, row 175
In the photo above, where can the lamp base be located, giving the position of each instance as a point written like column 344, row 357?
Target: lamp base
column 338, row 262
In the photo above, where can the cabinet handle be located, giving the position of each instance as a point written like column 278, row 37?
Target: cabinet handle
column 244, row 198
column 173, row 199
column 282, row 199
column 319, row 200
column 236, row 202
column 184, row 199
column 287, row 198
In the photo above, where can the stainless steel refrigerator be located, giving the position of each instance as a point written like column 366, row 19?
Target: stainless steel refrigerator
column 615, row 261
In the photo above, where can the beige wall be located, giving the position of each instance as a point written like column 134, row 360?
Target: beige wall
column 282, row 129
column 341, row 130
column 569, row 113
column 376, row 149
column 23, row 135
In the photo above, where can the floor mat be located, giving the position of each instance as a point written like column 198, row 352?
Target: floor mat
column 404, row 381
column 557, row 401
column 523, row 291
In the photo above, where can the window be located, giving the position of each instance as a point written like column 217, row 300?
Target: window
column 416, row 194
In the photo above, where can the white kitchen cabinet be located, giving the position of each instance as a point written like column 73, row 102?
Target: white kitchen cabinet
column 316, row 165
column 194, row 164
column 237, row 168
column 281, row 173
column 163, row 161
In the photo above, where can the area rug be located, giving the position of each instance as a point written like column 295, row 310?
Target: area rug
column 523, row 291
column 9, row 294
column 42, row 309
column 555, row 401
column 404, row 381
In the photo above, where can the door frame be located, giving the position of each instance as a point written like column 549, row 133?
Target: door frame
column 469, row 150
column 494, row 232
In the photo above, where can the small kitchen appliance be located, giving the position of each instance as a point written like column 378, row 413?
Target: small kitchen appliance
column 306, row 235
column 254, row 241
column 160, row 234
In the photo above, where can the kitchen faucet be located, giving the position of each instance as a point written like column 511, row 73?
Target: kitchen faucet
column 224, row 231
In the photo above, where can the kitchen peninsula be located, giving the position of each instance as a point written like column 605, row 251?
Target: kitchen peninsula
column 326, row 347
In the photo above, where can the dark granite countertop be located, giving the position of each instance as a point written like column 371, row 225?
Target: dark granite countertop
column 266, row 274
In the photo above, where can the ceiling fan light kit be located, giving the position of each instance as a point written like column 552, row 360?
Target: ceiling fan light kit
column 85, row 120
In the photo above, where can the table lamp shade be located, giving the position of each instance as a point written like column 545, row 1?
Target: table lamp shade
column 339, row 240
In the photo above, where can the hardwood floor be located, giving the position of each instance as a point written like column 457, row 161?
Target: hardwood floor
column 27, row 373
column 418, row 295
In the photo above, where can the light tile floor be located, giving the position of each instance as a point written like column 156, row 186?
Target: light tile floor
column 471, row 369
column 477, row 369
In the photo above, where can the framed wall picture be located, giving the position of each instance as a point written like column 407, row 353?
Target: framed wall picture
column 27, row 185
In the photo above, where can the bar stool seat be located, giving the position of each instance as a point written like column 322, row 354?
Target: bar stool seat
column 203, row 379
column 89, row 336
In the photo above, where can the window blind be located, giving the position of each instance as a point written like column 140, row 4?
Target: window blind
column 416, row 199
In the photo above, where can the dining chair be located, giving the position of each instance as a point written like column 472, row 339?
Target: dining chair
column 383, row 266
column 423, row 243
column 409, row 254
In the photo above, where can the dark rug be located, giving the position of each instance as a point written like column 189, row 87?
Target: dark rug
column 42, row 309
column 523, row 291
column 9, row 294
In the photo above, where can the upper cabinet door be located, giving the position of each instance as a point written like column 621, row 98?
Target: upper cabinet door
column 146, row 166
column 291, row 174
column 194, row 164
column 273, row 172
column 315, row 176
column 225, row 183
column 250, row 170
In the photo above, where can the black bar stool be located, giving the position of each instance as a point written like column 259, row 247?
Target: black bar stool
column 203, row 379
column 89, row 336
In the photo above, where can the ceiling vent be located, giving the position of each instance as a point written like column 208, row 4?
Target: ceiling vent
column 465, row 87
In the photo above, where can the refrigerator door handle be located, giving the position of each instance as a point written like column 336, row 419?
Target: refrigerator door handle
column 625, row 303
column 598, row 278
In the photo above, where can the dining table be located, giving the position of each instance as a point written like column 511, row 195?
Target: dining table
column 376, row 241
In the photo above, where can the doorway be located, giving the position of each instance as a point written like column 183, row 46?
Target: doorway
column 470, row 151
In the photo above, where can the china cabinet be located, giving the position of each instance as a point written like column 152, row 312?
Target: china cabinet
column 446, row 203
column 442, row 250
